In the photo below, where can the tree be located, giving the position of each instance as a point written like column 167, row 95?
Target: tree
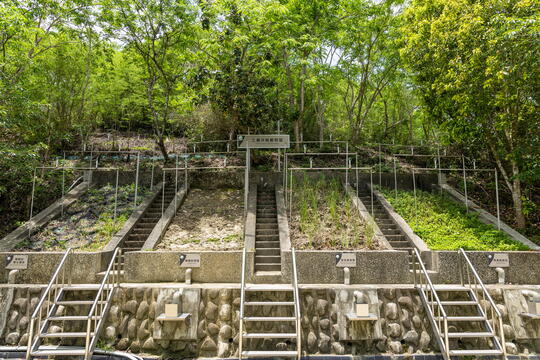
column 476, row 65
column 162, row 33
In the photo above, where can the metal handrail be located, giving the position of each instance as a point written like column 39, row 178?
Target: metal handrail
column 496, row 315
column 75, row 183
column 297, row 305
column 434, row 299
column 242, row 285
column 107, row 285
column 38, row 312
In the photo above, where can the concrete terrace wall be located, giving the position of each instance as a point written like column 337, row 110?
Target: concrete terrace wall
column 402, row 326
column 41, row 266
column 524, row 267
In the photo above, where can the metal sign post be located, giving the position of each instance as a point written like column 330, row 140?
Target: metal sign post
column 249, row 142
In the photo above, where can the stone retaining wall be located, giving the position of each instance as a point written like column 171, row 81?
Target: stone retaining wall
column 402, row 328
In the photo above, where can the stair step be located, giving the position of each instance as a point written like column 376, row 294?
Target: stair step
column 269, row 318
column 65, row 335
column 266, row 244
column 269, row 303
column 81, row 287
column 268, row 354
column 112, row 272
column 58, row 351
column 78, row 302
column 455, row 303
column 469, row 334
column 269, row 335
column 266, row 220
column 462, row 318
column 449, row 288
column 268, row 287
column 267, row 259
column 72, row 318
column 475, row 352
column 276, row 251
column 267, row 267
column 266, row 216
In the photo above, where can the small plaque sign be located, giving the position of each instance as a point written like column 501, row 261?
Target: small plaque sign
column 190, row 260
column 264, row 141
column 498, row 260
column 17, row 262
column 346, row 260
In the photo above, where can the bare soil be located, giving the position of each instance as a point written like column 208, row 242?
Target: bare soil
column 208, row 220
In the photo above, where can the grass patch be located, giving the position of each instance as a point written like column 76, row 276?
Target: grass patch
column 446, row 225
column 324, row 217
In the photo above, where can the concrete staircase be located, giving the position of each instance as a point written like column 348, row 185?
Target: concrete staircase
column 267, row 245
column 389, row 228
column 148, row 221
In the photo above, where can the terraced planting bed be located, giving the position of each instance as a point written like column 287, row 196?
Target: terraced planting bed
column 209, row 219
column 446, row 225
column 324, row 217
column 89, row 223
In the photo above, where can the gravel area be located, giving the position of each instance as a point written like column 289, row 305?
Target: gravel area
column 208, row 220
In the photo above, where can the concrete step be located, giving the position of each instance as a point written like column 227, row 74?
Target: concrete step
column 400, row 244
column 267, row 267
column 267, row 236
column 137, row 237
column 266, row 216
column 261, row 244
column 275, row 251
column 265, row 226
column 270, row 233
column 267, row 259
column 395, row 237
column 391, row 231
column 266, row 220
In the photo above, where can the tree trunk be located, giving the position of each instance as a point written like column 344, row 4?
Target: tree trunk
column 161, row 144
column 516, row 197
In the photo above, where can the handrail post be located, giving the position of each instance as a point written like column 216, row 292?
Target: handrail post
column 241, row 325
column 296, row 305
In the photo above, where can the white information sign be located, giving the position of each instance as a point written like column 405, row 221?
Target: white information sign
column 498, row 260
column 346, row 260
column 190, row 260
column 264, row 141
column 17, row 262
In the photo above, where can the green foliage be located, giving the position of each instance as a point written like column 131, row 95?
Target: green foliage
column 324, row 217
column 446, row 225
